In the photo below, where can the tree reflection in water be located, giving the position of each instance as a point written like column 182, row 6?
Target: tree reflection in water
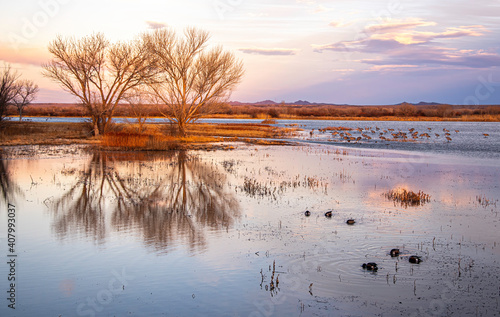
column 166, row 198
column 8, row 187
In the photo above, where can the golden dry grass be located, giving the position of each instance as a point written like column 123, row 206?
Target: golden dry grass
column 123, row 139
column 133, row 137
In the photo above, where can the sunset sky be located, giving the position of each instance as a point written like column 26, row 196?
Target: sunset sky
column 355, row 52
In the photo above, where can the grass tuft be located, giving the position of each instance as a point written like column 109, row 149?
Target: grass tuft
column 407, row 197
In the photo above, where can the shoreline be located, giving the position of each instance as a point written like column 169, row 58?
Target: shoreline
column 129, row 137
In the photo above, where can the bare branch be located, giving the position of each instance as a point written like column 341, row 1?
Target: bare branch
column 8, row 88
column 98, row 72
column 192, row 81
column 26, row 91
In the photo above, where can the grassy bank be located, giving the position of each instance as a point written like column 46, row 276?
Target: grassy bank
column 127, row 136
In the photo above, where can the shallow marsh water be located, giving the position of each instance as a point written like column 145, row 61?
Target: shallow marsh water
column 197, row 233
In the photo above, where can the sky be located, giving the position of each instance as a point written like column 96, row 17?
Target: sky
column 343, row 52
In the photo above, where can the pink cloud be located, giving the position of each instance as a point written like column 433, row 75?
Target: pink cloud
column 404, row 43
column 29, row 56
column 397, row 26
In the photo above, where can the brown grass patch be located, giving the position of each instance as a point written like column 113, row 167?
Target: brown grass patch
column 60, row 133
column 137, row 141
column 133, row 137
column 125, row 140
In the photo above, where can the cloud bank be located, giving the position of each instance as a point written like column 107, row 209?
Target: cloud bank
column 155, row 25
column 411, row 42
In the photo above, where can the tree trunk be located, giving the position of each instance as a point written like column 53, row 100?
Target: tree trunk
column 182, row 127
column 96, row 128
column 20, row 114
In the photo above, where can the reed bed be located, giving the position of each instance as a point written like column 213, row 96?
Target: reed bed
column 407, row 197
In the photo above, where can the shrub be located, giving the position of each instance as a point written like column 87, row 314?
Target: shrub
column 273, row 113
column 444, row 111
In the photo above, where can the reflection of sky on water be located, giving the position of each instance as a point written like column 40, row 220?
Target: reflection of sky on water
column 194, row 239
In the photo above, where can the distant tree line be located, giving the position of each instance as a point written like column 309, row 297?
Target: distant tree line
column 336, row 111
column 129, row 109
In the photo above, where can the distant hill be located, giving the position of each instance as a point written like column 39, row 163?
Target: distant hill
column 266, row 102
column 308, row 103
column 270, row 103
column 421, row 103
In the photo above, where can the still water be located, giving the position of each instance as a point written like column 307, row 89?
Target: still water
column 223, row 233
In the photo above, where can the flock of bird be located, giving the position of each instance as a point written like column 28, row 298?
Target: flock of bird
column 369, row 133
column 372, row 266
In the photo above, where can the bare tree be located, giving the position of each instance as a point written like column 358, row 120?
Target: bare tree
column 98, row 72
column 193, row 80
column 25, row 93
column 8, row 88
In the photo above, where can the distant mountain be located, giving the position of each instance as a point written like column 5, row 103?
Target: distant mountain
column 308, row 103
column 265, row 102
column 421, row 103
column 303, row 102
column 270, row 102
